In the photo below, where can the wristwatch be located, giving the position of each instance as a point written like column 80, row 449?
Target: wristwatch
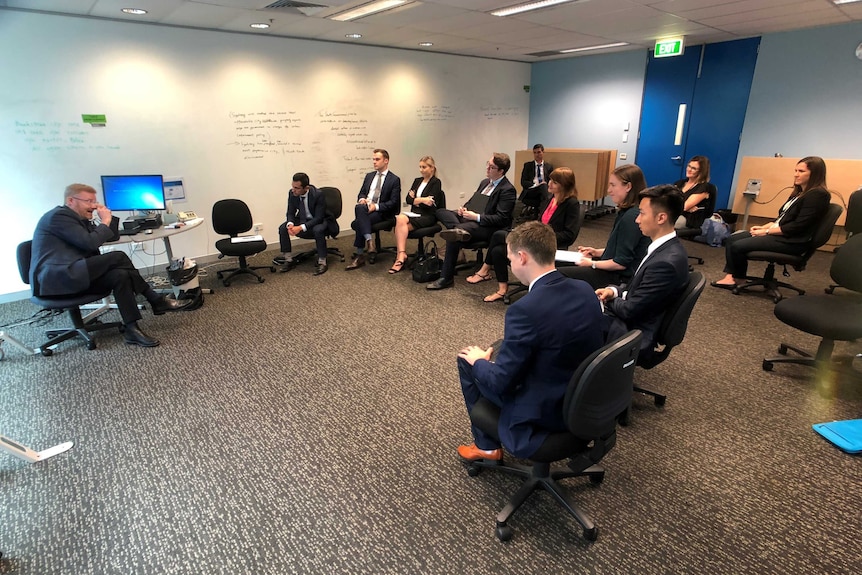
column 593, row 264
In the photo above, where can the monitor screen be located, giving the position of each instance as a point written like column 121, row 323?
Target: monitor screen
column 130, row 193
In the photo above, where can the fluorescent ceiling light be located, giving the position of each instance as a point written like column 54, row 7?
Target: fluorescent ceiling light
column 526, row 7
column 845, row 1
column 259, row 25
column 134, row 11
column 353, row 36
column 368, row 9
column 601, row 47
column 426, row 44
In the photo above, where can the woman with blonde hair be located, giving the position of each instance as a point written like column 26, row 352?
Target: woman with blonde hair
column 425, row 196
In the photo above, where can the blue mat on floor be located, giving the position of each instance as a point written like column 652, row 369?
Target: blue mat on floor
column 846, row 434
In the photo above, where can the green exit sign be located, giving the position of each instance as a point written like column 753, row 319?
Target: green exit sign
column 669, row 47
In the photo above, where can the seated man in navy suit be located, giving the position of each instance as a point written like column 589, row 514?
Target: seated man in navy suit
column 488, row 210
column 379, row 199
column 65, row 261
column 661, row 276
column 548, row 333
column 306, row 218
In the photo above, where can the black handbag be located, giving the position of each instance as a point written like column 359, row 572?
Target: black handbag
column 427, row 266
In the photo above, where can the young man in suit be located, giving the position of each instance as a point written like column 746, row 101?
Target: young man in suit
column 548, row 333
column 66, row 261
column 661, row 276
column 379, row 199
column 534, row 178
column 306, row 219
column 488, row 210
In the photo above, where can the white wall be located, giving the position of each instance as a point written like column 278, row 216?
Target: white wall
column 235, row 116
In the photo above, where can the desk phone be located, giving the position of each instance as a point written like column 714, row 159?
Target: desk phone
column 183, row 216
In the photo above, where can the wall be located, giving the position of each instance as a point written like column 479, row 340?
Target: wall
column 806, row 98
column 235, row 116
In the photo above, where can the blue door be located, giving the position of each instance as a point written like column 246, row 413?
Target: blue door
column 719, row 81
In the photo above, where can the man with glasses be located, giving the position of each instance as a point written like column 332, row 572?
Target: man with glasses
column 66, row 261
column 488, row 210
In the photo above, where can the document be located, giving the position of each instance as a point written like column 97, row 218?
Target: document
column 567, row 256
column 241, row 239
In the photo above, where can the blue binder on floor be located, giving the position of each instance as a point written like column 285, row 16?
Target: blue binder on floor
column 847, row 434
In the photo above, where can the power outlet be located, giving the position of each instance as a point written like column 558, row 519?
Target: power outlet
column 258, row 227
column 136, row 246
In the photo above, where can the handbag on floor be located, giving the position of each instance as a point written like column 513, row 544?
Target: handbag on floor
column 847, row 435
column 427, row 266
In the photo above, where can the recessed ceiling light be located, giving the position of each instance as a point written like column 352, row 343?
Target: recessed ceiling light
column 368, row 9
column 259, row 25
column 426, row 44
column 353, row 36
column 528, row 6
column 134, row 11
column 600, row 47
column 839, row 2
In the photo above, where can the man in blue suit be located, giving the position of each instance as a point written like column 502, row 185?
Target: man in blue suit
column 548, row 333
column 306, row 218
column 379, row 199
column 661, row 276
column 66, row 261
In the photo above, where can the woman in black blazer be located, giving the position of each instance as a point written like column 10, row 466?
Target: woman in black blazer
column 425, row 197
column 696, row 191
column 791, row 232
column 559, row 209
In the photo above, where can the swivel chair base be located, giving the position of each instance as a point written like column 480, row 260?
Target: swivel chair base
column 244, row 268
column 540, row 476
column 80, row 328
column 769, row 283
column 822, row 358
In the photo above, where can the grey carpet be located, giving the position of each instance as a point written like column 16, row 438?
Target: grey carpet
column 309, row 425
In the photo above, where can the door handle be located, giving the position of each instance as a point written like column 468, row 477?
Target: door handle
column 676, row 159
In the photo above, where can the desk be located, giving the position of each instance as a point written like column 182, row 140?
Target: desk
column 159, row 233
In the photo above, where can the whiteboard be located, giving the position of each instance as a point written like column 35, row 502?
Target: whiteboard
column 235, row 116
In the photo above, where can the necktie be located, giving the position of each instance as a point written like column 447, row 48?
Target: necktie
column 488, row 189
column 306, row 214
column 375, row 194
column 539, row 173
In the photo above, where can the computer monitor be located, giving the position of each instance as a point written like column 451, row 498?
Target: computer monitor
column 134, row 193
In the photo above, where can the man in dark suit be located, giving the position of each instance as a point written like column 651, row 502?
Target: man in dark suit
column 306, row 218
column 661, row 276
column 379, row 199
column 548, row 333
column 534, row 178
column 490, row 209
column 66, row 261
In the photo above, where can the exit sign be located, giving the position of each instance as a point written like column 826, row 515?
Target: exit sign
column 669, row 47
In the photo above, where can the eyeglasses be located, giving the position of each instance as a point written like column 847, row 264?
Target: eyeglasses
column 91, row 202
column 491, row 166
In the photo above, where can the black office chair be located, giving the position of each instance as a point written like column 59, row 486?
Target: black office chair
column 689, row 233
column 670, row 333
column 81, row 327
column 830, row 317
column 381, row 226
column 798, row 261
column 518, row 286
column 600, row 389
column 332, row 196
column 231, row 218
column 420, row 234
column 853, row 222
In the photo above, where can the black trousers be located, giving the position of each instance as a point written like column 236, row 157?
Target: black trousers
column 596, row 278
column 497, row 257
column 450, row 220
column 114, row 271
column 362, row 223
column 739, row 245
column 318, row 232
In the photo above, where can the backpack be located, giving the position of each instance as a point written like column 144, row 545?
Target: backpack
column 713, row 231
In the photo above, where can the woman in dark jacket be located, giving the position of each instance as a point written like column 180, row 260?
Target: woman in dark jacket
column 696, row 191
column 791, row 232
column 559, row 209
column 425, row 197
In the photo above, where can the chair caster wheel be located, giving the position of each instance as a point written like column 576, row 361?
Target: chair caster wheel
column 272, row 269
column 226, row 283
column 660, row 401
column 829, row 290
column 46, row 351
column 625, row 418
column 473, row 470
column 91, row 345
column 503, row 532
column 591, row 534
column 260, row 280
column 777, row 299
column 782, row 349
column 767, row 365
column 219, row 275
column 735, row 291
column 597, row 478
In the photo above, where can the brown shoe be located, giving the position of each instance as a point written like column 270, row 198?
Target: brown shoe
column 357, row 262
column 473, row 453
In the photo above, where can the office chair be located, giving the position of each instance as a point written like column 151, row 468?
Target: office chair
column 381, row 226
column 798, row 261
column 830, row 317
column 519, row 287
column 692, row 232
column 853, row 222
column 231, row 218
column 420, row 234
column 600, row 389
column 82, row 327
column 332, row 196
column 670, row 334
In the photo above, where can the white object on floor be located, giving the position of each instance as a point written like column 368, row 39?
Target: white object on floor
column 27, row 454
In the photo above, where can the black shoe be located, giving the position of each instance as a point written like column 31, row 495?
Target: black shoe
column 455, row 235
column 287, row 266
column 321, row 269
column 278, row 261
column 164, row 304
column 442, row 283
column 134, row 336
column 357, row 262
